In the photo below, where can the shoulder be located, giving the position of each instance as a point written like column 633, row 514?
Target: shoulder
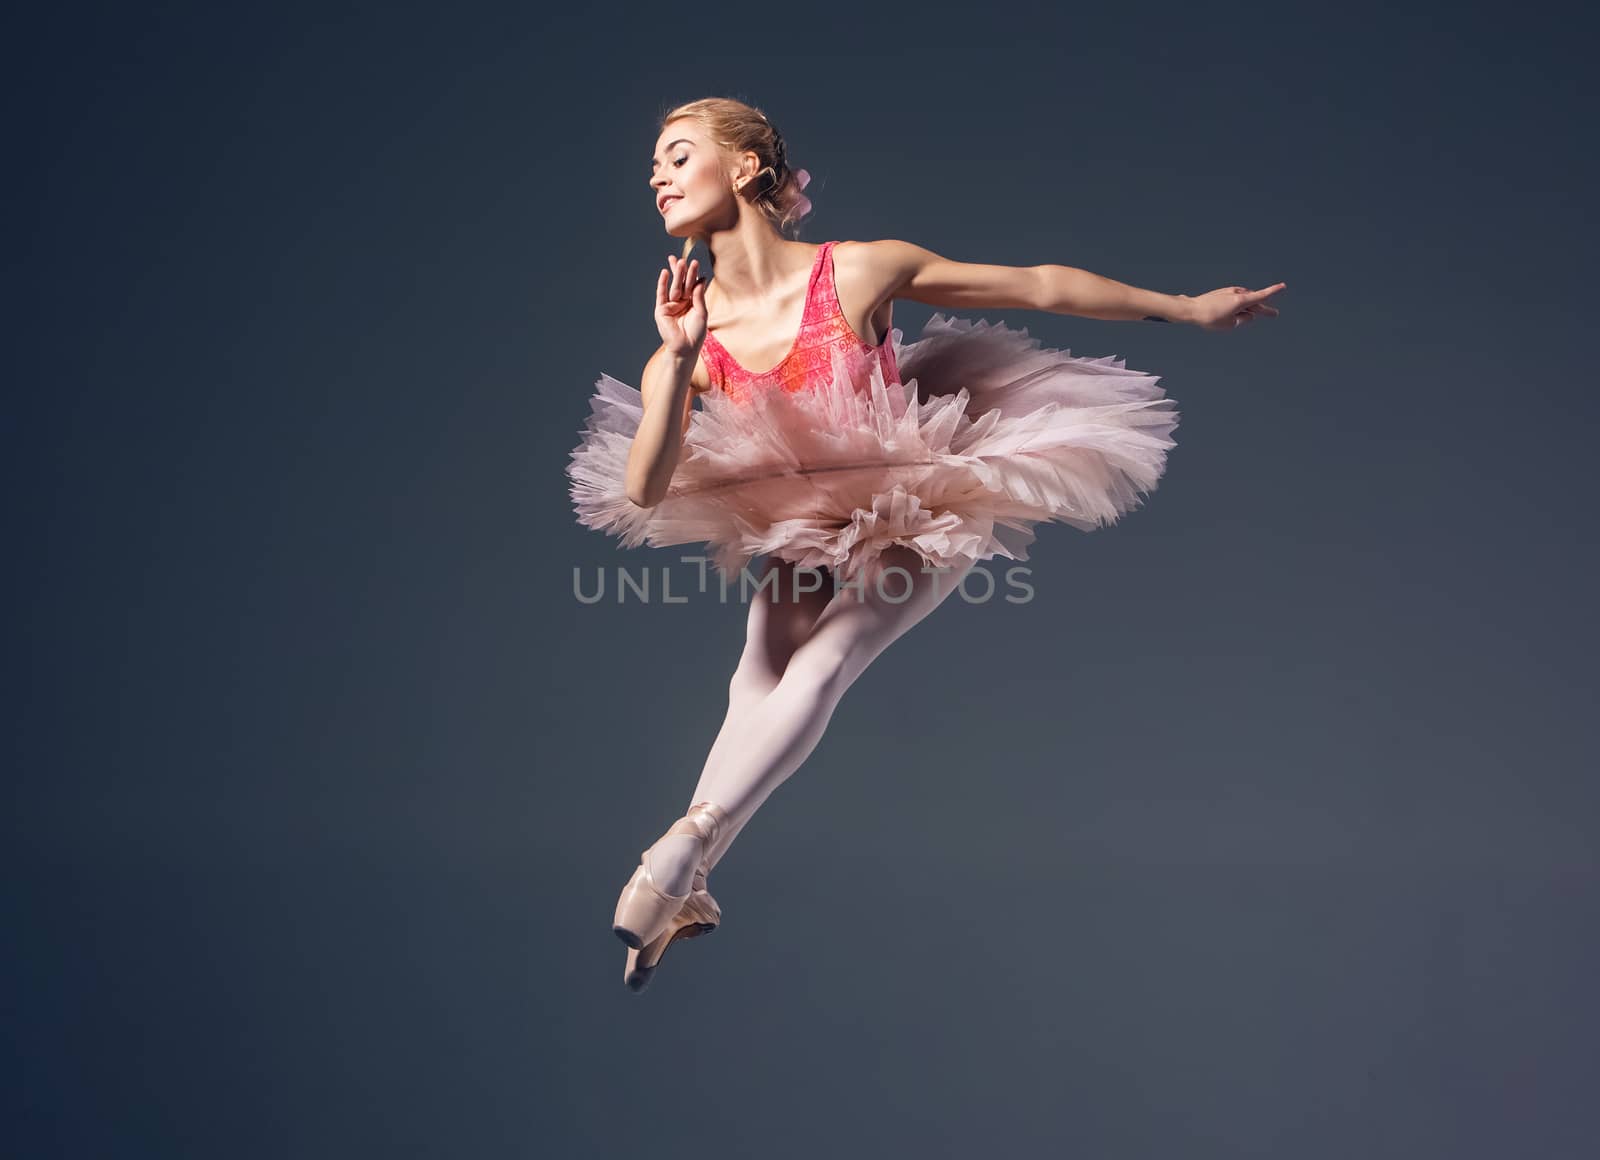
column 700, row 377
column 904, row 270
column 889, row 254
column 886, row 263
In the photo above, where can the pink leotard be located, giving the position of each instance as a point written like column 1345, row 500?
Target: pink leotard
column 823, row 330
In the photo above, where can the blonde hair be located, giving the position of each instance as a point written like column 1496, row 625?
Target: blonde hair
column 739, row 128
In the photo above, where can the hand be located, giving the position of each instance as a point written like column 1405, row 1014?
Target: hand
column 1232, row 307
column 681, row 306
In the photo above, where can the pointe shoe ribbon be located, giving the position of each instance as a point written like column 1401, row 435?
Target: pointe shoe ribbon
column 644, row 911
column 700, row 915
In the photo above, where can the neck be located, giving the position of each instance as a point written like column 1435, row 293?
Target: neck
column 751, row 263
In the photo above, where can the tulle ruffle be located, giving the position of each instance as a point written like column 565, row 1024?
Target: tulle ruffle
column 989, row 435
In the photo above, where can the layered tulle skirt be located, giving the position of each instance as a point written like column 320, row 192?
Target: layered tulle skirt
column 987, row 436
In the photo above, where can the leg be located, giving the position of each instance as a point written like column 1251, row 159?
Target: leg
column 771, row 735
column 779, row 620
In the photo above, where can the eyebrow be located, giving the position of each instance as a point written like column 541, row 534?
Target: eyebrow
column 670, row 144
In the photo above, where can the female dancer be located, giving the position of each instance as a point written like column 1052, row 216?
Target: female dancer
column 850, row 455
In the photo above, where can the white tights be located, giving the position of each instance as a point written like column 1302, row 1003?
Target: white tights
column 801, row 653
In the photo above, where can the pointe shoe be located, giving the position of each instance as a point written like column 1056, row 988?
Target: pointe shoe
column 700, row 915
column 643, row 910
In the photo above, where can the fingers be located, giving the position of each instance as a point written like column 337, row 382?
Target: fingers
column 682, row 284
column 1251, row 304
column 683, row 275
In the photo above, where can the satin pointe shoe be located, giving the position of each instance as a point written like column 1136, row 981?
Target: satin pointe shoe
column 643, row 910
column 700, row 915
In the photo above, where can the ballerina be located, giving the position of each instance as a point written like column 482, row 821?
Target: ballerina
column 851, row 455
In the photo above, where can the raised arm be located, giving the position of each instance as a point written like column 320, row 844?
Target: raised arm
column 667, row 385
column 916, row 274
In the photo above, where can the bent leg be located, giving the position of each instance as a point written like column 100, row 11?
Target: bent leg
column 782, row 610
column 779, row 621
column 772, row 736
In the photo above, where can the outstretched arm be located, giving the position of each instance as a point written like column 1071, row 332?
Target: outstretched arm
column 920, row 275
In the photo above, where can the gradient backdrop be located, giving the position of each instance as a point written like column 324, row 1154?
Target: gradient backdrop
column 1268, row 827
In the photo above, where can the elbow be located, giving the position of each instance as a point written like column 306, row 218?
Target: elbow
column 641, row 494
column 1044, row 290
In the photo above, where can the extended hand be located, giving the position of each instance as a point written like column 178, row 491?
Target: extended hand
column 1232, row 306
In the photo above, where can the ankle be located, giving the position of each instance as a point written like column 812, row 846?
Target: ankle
column 672, row 862
column 708, row 819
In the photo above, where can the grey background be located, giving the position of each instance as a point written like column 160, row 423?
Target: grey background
column 1266, row 827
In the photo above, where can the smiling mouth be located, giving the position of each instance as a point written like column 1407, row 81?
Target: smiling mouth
column 668, row 202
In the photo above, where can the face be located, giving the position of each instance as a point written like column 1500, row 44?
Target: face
column 689, row 173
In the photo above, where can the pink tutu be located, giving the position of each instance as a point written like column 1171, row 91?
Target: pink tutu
column 988, row 436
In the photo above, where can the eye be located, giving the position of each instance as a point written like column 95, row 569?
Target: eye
column 677, row 162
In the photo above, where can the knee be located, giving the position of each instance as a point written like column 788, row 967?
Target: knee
column 749, row 683
column 824, row 670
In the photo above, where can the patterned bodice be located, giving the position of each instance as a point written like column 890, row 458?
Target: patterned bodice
column 823, row 331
